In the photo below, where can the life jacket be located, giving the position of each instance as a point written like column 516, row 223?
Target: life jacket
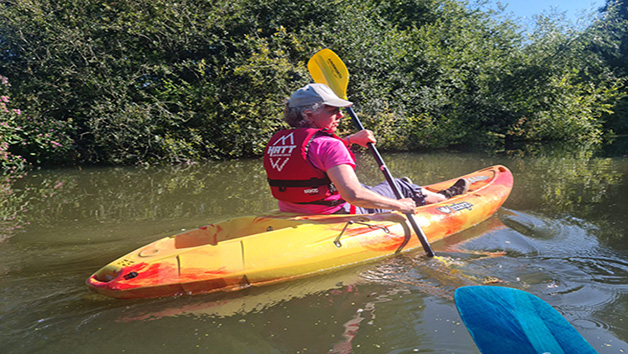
column 291, row 176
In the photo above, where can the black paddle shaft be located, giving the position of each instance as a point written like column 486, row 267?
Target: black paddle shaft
column 393, row 185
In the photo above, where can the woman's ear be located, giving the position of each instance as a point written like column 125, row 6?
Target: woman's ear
column 308, row 115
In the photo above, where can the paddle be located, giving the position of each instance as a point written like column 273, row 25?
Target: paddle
column 505, row 320
column 327, row 68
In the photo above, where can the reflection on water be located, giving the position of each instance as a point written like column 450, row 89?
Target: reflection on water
column 561, row 236
column 143, row 194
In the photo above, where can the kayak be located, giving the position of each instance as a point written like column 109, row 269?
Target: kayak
column 259, row 250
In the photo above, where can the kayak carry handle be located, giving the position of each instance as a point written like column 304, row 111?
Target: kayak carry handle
column 351, row 222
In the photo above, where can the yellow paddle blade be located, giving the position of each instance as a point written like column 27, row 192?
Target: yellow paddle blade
column 327, row 68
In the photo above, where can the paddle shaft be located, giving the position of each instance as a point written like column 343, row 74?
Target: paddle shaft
column 380, row 162
column 326, row 67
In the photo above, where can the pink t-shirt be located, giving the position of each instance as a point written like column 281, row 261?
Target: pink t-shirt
column 324, row 153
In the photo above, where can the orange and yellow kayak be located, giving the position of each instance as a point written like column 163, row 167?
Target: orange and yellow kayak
column 258, row 250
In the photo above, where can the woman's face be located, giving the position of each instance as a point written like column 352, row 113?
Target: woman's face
column 326, row 117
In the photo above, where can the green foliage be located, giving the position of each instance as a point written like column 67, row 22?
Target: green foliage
column 26, row 139
column 11, row 163
column 138, row 81
column 612, row 30
column 610, row 43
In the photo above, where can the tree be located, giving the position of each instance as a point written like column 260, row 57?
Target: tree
column 611, row 34
column 139, row 81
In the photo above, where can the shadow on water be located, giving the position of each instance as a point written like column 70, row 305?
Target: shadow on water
column 561, row 236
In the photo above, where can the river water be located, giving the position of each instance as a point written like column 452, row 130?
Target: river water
column 561, row 236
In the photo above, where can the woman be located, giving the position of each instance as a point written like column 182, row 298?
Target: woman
column 311, row 170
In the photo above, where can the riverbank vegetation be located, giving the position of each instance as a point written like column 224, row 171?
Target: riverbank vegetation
column 142, row 82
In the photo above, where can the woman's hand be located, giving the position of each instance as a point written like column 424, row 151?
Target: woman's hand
column 407, row 206
column 362, row 138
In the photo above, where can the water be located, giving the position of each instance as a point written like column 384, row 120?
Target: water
column 561, row 236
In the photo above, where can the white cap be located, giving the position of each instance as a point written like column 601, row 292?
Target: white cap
column 316, row 93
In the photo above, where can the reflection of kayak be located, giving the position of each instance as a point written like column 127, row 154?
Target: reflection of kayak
column 255, row 300
column 241, row 252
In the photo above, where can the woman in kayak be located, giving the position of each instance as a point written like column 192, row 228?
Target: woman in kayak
column 311, row 170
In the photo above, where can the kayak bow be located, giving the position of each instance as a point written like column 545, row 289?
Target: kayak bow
column 253, row 251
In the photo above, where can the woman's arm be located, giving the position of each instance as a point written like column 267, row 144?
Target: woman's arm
column 361, row 138
column 351, row 190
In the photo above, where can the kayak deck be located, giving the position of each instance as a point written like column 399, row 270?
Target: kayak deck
column 246, row 251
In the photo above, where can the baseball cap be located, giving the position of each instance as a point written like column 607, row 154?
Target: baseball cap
column 316, row 93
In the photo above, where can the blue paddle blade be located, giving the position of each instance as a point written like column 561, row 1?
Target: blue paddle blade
column 504, row 320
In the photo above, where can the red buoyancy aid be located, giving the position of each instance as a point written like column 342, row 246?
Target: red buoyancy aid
column 291, row 176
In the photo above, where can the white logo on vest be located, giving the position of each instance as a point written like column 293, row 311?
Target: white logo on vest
column 281, row 150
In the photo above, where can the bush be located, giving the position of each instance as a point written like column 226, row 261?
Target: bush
column 26, row 140
column 139, row 81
